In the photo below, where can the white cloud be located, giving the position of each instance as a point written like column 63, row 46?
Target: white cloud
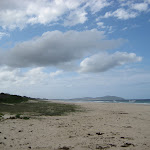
column 34, row 76
column 140, row 6
column 104, row 61
column 127, row 82
column 101, row 25
column 2, row 34
column 15, row 13
column 125, row 28
column 76, row 17
column 97, row 5
column 19, row 14
column 9, row 76
column 121, row 13
column 107, row 28
column 55, row 47
column 54, row 74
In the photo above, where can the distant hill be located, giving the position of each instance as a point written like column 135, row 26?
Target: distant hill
column 7, row 98
column 109, row 98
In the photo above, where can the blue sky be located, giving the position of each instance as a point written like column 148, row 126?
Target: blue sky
column 75, row 48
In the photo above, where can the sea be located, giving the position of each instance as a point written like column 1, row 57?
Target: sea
column 133, row 101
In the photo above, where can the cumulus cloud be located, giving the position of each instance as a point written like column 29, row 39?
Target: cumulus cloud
column 9, row 76
column 104, row 61
column 54, row 74
column 76, row 17
column 97, row 5
column 101, row 25
column 19, row 14
column 107, row 28
column 121, row 13
column 55, row 47
column 128, row 9
column 140, row 6
column 2, row 34
column 14, row 13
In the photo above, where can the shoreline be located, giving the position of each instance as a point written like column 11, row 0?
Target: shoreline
column 88, row 102
column 112, row 126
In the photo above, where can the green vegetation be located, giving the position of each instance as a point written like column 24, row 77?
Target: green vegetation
column 17, row 115
column 7, row 98
column 25, row 118
column 21, row 107
column 38, row 108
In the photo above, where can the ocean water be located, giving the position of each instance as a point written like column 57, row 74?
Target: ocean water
column 144, row 101
column 137, row 101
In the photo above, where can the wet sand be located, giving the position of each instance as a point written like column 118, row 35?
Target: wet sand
column 101, row 126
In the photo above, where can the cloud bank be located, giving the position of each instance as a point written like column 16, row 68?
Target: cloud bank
column 55, row 48
column 64, row 50
column 19, row 14
column 14, row 13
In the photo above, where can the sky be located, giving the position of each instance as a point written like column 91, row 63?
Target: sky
column 60, row 49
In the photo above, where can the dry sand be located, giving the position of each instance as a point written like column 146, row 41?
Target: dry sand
column 102, row 126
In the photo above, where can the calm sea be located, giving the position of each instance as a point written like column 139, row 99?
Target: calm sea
column 137, row 101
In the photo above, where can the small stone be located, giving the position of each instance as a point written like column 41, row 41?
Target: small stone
column 99, row 133
column 64, row 148
column 112, row 145
column 102, row 147
column 127, row 145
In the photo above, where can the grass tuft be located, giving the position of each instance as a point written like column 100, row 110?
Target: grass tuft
column 38, row 108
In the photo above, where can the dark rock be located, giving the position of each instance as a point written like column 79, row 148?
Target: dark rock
column 112, row 145
column 64, row 148
column 102, row 147
column 127, row 145
column 2, row 143
column 99, row 133
column 13, row 118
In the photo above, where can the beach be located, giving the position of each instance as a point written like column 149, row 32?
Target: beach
column 112, row 126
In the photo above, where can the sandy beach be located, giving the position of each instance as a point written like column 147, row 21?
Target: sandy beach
column 101, row 126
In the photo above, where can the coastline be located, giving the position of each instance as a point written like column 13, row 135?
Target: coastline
column 114, row 126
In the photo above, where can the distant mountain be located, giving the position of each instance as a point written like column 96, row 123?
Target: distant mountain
column 100, row 98
column 110, row 98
